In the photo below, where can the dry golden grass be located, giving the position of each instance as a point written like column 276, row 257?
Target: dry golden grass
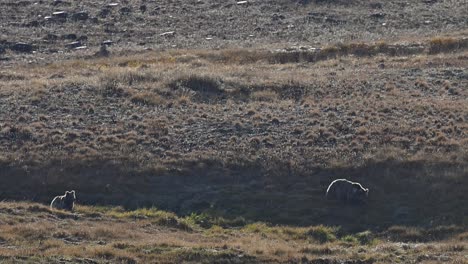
column 32, row 232
column 235, row 137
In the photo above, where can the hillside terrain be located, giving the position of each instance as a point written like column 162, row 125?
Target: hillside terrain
column 32, row 233
column 201, row 131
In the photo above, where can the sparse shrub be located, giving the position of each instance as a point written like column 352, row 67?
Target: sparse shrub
column 443, row 232
column 17, row 133
column 147, row 98
column 111, row 88
column 200, row 84
column 350, row 239
column 442, row 44
column 365, row 238
column 317, row 250
column 406, row 234
column 322, row 234
column 264, row 96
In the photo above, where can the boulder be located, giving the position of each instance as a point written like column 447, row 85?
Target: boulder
column 107, row 43
column 22, row 47
column 69, row 36
column 80, row 16
column 73, row 45
column 104, row 12
column 125, row 10
column 61, row 15
column 167, row 34
column 50, row 37
column 103, row 52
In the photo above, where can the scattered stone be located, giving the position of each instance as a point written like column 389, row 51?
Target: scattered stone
column 167, row 34
column 33, row 23
column 107, row 42
column 378, row 15
column 82, row 38
column 112, row 4
column 104, row 12
column 125, row 10
column 73, row 45
column 277, row 17
column 81, row 48
column 80, row 16
column 57, row 2
column 69, row 36
column 22, row 47
column 50, row 37
column 103, row 52
column 47, row 17
column 376, row 5
column 60, row 15
column 242, row 3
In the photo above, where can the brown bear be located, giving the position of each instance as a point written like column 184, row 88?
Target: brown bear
column 64, row 202
column 347, row 191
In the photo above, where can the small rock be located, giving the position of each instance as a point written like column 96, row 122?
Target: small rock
column 112, row 4
column 167, row 34
column 104, row 12
column 82, row 38
column 277, row 17
column 73, row 45
column 81, row 48
column 80, row 16
column 107, row 42
column 69, row 36
column 60, row 15
column 242, row 2
column 103, row 52
column 57, row 2
column 22, row 47
column 33, row 23
column 125, row 10
column 379, row 15
column 50, row 37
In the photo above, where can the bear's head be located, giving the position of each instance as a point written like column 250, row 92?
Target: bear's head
column 360, row 194
column 70, row 198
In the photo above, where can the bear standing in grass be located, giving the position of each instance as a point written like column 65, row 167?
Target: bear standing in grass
column 347, row 191
column 64, row 202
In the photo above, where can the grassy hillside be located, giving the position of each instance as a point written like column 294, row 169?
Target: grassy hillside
column 208, row 131
column 32, row 233
column 199, row 131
